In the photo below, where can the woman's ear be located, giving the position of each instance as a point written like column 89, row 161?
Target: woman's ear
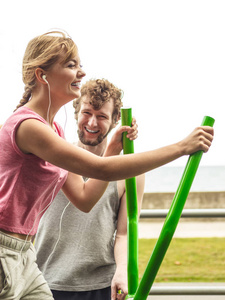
column 39, row 72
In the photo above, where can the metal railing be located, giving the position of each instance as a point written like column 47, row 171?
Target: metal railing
column 186, row 213
column 186, row 290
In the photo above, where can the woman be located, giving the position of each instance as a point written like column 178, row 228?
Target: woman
column 36, row 161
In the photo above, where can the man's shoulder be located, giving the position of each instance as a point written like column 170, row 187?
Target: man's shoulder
column 121, row 188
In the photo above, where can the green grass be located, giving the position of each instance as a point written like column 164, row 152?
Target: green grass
column 187, row 260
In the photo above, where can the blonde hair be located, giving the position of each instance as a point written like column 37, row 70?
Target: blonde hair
column 42, row 52
column 99, row 92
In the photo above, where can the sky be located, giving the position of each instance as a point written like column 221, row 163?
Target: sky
column 167, row 56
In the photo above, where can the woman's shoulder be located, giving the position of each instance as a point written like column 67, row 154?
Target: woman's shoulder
column 21, row 114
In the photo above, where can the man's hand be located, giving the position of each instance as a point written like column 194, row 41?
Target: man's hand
column 119, row 288
column 115, row 145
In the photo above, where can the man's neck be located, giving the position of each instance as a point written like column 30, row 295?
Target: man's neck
column 97, row 150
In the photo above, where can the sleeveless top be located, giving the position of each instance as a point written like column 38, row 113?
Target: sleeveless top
column 78, row 255
column 27, row 183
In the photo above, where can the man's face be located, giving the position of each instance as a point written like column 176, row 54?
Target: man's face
column 94, row 125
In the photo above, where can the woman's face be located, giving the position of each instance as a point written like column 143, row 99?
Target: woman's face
column 65, row 79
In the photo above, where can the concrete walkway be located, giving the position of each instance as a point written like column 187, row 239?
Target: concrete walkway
column 152, row 229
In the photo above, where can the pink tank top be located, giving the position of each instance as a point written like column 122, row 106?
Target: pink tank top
column 28, row 184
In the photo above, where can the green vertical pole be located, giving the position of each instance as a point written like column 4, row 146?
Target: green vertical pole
column 132, row 212
column 171, row 222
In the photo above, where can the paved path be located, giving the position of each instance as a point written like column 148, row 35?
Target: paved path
column 152, row 229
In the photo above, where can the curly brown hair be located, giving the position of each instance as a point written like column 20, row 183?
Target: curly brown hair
column 99, row 92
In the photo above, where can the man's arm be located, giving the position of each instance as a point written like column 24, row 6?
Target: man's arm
column 119, row 280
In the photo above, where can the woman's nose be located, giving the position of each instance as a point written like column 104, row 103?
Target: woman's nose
column 81, row 73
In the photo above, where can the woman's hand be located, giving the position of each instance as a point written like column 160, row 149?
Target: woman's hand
column 199, row 140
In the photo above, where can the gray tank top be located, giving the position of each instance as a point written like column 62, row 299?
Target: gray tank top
column 83, row 257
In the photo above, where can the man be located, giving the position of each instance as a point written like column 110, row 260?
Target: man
column 84, row 256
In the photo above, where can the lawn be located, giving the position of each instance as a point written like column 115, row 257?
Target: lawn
column 187, row 260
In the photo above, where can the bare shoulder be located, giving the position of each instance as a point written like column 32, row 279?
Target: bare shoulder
column 121, row 188
column 30, row 132
column 140, row 180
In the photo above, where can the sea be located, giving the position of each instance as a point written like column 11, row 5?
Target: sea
column 167, row 179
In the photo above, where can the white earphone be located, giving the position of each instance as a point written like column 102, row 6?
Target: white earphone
column 45, row 79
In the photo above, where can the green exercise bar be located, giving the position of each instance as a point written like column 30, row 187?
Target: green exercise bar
column 132, row 212
column 171, row 222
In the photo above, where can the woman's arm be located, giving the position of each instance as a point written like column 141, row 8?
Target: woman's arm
column 39, row 139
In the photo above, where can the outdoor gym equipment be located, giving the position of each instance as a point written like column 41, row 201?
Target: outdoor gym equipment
column 132, row 212
column 141, row 291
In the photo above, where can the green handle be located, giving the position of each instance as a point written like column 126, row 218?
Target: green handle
column 171, row 221
column 132, row 211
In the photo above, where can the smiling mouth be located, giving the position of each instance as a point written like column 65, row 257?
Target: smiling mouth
column 77, row 84
column 91, row 131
